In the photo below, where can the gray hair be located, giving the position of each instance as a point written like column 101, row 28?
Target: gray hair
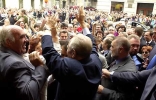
column 133, row 36
column 81, row 44
column 5, row 33
column 123, row 41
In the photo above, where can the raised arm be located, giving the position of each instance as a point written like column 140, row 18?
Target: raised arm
column 81, row 19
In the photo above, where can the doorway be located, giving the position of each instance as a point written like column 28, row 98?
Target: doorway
column 145, row 8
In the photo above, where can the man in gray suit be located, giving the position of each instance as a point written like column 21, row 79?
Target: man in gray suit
column 19, row 79
column 123, row 63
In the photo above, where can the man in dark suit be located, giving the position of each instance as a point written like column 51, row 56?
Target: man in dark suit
column 146, row 78
column 123, row 62
column 148, row 38
column 135, row 46
column 152, row 53
column 78, row 74
column 19, row 79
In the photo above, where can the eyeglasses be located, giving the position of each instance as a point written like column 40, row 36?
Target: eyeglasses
column 145, row 52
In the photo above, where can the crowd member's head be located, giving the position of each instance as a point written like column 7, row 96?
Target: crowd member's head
column 70, row 27
column 97, row 42
column 135, row 44
column 111, row 30
column 123, row 34
column 75, row 21
column 75, row 26
column 145, row 51
column 79, row 47
column 106, row 44
column 129, row 31
column 23, row 12
column 117, row 26
column 99, row 34
column 138, row 31
column 98, row 27
column 110, row 36
column 35, row 44
column 14, row 38
column 37, row 27
column 105, row 33
column 64, row 44
column 121, row 28
column 89, row 20
column 63, row 35
column 148, row 36
column 120, row 48
column 22, row 25
column 64, row 26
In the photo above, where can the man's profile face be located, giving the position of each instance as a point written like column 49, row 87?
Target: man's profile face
column 147, row 36
column 114, row 49
column 19, row 45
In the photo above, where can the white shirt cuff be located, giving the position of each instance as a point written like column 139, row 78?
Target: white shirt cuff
column 86, row 31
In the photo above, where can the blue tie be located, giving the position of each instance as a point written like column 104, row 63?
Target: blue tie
column 137, row 62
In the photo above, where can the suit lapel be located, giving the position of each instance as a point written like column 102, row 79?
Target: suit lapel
column 120, row 64
column 20, row 58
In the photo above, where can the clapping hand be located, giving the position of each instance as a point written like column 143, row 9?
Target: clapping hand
column 81, row 15
column 52, row 20
column 35, row 59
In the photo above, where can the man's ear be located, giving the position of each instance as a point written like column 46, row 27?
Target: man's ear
column 73, row 53
column 8, row 42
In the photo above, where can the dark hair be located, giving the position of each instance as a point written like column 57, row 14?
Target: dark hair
column 121, row 26
column 151, row 32
column 64, row 43
column 23, row 11
column 36, row 25
column 63, row 31
column 99, row 32
column 139, row 31
column 64, row 25
column 108, row 42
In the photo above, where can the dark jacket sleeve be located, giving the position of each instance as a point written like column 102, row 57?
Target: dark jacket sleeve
column 131, row 78
column 26, row 83
column 114, row 95
column 54, row 61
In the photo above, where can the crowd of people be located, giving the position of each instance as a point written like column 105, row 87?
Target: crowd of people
column 76, row 54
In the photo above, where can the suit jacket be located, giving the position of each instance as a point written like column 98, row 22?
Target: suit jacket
column 142, row 43
column 152, row 44
column 152, row 53
column 19, row 80
column 78, row 80
column 119, row 92
column 146, row 77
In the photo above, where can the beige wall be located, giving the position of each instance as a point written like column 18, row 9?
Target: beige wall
column 134, row 6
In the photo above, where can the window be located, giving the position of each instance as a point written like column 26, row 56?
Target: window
column 129, row 5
